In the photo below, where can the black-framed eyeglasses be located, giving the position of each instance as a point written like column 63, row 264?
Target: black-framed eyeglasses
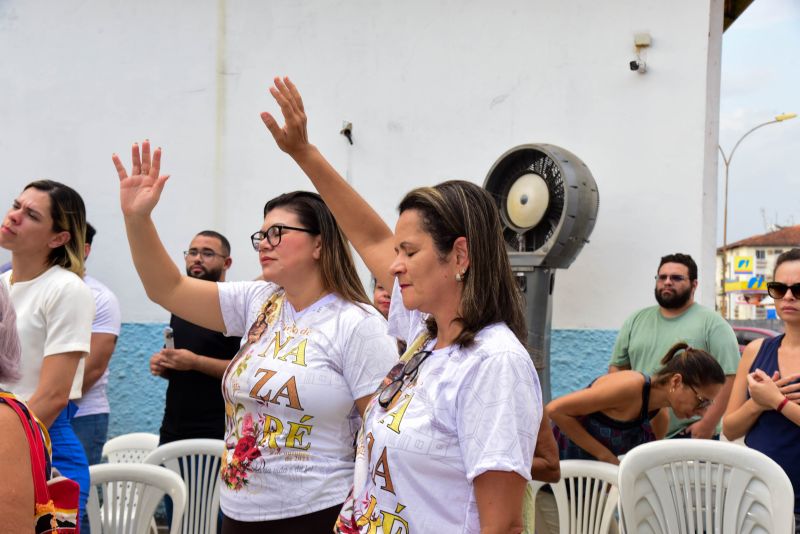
column 205, row 253
column 702, row 403
column 274, row 233
column 410, row 369
column 676, row 278
column 777, row 290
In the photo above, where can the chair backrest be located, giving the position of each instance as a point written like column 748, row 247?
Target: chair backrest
column 130, row 495
column 197, row 461
column 586, row 496
column 687, row 486
column 130, row 448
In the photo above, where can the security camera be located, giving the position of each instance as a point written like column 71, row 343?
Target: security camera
column 638, row 65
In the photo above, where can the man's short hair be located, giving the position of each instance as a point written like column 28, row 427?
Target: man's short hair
column 683, row 259
column 226, row 246
column 90, row 231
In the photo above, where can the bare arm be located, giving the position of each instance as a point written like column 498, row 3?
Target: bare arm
column 17, row 498
column 741, row 412
column 609, row 392
column 102, row 347
column 196, row 301
column 362, row 225
column 770, row 395
column 55, row 382
column 546, row 465
column 499, row 496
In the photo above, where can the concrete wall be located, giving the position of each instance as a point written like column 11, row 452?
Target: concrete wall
column 436, row 89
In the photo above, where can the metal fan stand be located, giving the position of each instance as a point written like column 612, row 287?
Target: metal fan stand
column 542, row 234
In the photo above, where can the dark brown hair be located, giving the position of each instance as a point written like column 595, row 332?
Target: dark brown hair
column 697, row 367
column 336, row 263
column 793, row 254
column 683, row 259
column 457, row 208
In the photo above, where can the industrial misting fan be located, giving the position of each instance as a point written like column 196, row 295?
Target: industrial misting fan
column 548, row 203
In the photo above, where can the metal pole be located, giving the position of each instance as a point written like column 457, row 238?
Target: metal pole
column 537, row 287
column 724, row 303
column 727, row 161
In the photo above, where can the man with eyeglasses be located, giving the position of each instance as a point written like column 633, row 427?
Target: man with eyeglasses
column 647, row 335
column 194, row 407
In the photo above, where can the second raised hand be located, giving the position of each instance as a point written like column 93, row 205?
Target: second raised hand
column 292, row 138
column 140, row 191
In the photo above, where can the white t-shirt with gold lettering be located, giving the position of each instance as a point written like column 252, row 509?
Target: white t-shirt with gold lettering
column 468, row 411
column 289, row 399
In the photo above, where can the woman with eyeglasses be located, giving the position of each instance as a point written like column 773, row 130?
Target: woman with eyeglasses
column 45, row 230
column 313, row 353
column 448, row 441
column 764, row 401
column 621, row 410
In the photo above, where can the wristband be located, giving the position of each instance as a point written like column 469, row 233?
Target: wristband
column 782, row 404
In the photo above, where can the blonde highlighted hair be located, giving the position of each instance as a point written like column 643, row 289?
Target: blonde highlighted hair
column 69, row 215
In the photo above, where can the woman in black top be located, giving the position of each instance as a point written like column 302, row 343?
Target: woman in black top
column 621, row 410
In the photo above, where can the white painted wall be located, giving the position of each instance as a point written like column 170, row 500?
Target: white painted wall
column 436, row 89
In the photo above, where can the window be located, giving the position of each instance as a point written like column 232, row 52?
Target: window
column 761, row 254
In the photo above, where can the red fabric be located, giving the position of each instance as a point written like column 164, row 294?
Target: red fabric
column 56, row 501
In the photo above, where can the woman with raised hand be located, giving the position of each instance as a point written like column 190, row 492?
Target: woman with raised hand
column 766, row 391
column 448, row 440
column 45, row 230
column 314, row 351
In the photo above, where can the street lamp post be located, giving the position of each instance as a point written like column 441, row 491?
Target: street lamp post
column 727, row 161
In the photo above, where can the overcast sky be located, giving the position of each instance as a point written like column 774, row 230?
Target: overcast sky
column 761, row 79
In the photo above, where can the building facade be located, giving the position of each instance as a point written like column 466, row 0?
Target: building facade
column 748, row 266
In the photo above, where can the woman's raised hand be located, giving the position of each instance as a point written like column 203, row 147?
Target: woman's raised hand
column 292, row 138
column 139, row 192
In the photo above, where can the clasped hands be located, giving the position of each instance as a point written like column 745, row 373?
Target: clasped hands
column 768, row 392
column 172, row 359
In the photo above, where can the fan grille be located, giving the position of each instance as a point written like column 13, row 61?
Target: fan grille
column 522, row 240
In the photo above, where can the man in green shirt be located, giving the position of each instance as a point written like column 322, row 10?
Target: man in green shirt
column 647, row 335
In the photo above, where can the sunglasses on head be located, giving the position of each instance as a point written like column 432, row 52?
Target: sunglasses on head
column 777, row 290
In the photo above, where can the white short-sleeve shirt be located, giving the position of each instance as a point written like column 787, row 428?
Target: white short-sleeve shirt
column 468, row 411
column 54, row 315
column 289, row 399
column 107, row 320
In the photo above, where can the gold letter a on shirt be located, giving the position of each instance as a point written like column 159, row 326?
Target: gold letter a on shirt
column 397, row 414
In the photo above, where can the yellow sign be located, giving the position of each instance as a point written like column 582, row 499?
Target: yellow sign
column 743, row 265
column 754, row 284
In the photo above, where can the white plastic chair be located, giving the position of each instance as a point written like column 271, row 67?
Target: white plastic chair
column 130, row 495
column 197, row 461
column 586, row 496
column 687, row 486
column 130, row 448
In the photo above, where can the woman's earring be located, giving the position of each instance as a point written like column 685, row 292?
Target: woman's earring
column 459, row 277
